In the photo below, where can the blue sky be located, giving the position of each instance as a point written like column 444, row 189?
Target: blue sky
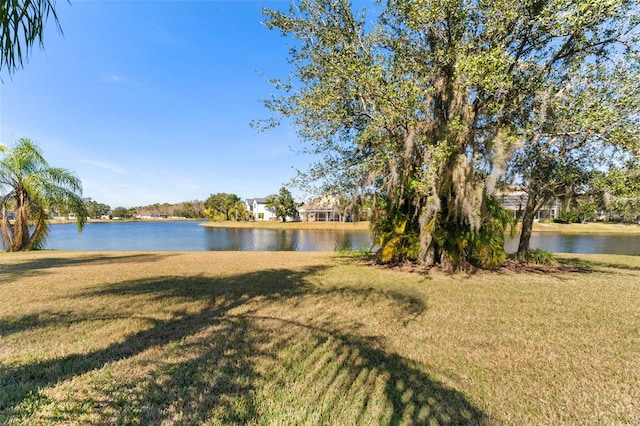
column 150, row 101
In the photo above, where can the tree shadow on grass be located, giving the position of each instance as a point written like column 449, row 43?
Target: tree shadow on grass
column 47, row 318
column 210, row 363
column 590, row 266
column 40, row 263
column 376, row 386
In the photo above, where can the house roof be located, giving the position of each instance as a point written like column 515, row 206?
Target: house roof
column 325, row 202
column 260, row 200
column 514, row 201
column 305, row 207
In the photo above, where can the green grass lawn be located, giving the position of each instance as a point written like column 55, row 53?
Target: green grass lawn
column 314, row 338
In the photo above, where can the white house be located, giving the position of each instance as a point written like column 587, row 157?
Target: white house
column 322, row 209
column 516, row 201
column 259, row 210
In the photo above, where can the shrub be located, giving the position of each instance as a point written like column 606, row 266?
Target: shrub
column 361, row 253
column 540, row 257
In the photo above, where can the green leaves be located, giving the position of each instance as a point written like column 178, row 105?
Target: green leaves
column 223, row 204
column 282, row 204
column 620, row 189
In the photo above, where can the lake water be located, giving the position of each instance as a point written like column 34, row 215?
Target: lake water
column 587, row 243
column 190, row 236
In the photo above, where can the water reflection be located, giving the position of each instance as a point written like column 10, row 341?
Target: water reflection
column 587, row 243
column 189, row 236
column 283, row 240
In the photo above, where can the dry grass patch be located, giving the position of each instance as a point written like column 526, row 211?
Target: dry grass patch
column 291, row 338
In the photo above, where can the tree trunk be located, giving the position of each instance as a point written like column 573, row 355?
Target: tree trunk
column 530, row 211
column 20, row 231
column 6, row 230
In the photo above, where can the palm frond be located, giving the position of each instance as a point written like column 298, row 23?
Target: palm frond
column 40, row 233
column 21, row 26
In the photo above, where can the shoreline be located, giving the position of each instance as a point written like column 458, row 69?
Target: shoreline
column 558, row 228
column 587, row 228
column 72, row 222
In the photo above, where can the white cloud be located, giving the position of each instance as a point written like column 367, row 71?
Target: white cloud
column 114, row 78
column 106, row 166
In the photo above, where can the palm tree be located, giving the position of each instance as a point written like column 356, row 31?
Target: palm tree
column 30, row 187
column 232, row 203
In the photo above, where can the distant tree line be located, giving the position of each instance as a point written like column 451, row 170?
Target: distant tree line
column 218, row 206
column 185, row 209
column 225, row 206
column 95, row 209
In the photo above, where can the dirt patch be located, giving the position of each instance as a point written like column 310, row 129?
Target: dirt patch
column 509, row 267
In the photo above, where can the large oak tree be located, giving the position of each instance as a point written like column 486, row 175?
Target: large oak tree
column 423, row 101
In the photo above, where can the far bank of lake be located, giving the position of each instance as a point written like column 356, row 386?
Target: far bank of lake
column 546, row 227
